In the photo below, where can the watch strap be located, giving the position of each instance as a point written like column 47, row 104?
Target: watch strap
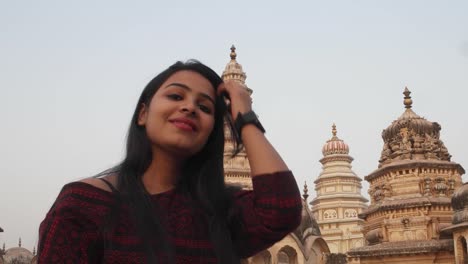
column 247, row 118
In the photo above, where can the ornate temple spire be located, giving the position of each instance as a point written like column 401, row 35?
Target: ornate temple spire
column 305, row 195
column 19, row 243
column 334, row 131
column 236, row 169
column 407, row 100
column 34, row 251
column 335, row 145
column 233, row 52
column 233, row 70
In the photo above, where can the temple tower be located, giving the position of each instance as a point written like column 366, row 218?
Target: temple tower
column 339, row 199
column 236, row 169
column 410, row 195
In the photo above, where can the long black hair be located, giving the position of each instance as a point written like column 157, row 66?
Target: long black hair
column 202, row 174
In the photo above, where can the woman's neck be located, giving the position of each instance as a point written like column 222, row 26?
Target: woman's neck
column 163, row 173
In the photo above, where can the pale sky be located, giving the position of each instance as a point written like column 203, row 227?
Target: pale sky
column 71, row 73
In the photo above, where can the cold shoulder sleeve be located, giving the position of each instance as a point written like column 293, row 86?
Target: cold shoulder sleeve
column 266, row 214
column 69, row 232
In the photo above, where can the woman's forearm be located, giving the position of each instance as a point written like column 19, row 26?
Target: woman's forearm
column 263, row 157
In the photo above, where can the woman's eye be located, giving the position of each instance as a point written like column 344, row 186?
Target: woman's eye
column 175, row 97
column 204, row 108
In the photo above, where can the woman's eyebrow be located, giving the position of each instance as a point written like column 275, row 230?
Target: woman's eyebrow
column 185, row 87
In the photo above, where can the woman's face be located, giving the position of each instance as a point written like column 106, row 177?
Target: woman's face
column 180, row 116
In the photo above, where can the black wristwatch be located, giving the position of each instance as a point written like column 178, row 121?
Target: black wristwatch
column 247, row 118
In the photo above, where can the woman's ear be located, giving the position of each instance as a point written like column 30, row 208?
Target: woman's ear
column 142, row 115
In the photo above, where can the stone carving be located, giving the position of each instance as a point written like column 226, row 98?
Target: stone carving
column 418, row 141
column 405, row 144
column 427, row 186
column 375, row 236
column 443, row 153
column 412, row 137
column 440, row 188
column 385, row 155
column 377, row 193
column 350, row 213
column 451, row 183
column 429, row 147
column 405, row 221
column 395, row 147
column 330, row 214
column 387, row 190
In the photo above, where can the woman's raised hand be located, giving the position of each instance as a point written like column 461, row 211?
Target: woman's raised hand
column 238, row 96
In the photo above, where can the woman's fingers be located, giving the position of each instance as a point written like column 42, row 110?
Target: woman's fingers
column 221, row 89
column 238, row 96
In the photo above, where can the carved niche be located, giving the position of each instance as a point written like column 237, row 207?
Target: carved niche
column 438, row 187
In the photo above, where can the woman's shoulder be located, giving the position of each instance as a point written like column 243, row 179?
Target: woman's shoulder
column 88, row 190
column 83, row 202
column 85, row 198
column 106, row 183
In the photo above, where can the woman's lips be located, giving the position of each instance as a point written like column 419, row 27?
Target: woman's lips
column 184, row 124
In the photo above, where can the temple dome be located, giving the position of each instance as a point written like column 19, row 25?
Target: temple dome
column 335, row 145
column 18, row 254
column 411, row 121
column 412, row 137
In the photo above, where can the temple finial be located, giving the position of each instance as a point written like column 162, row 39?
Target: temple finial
column 407, row 100
column 34, row 251
column 305, row 195
column 19, row 243
column 233, row 52
column 334, row 130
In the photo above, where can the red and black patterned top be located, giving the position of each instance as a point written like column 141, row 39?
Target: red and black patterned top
column 70, row 231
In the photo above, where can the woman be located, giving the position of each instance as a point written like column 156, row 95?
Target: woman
column 167, row 202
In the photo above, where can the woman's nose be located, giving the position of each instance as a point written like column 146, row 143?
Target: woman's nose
column 189, row 108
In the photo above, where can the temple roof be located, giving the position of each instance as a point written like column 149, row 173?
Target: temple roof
column 17, row 253
column 402, row 248
column 335, row 145
column 404, row 203
column 412, row 137
column 308, row 226
column 233, row 70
